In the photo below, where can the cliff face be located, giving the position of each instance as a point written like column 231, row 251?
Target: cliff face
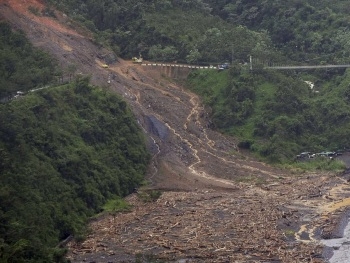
column 218, row 204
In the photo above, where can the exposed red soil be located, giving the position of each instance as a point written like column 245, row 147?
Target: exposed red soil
column 217, row 204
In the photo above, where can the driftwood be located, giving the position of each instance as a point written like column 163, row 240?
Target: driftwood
column 65, row 241
column 206, row 226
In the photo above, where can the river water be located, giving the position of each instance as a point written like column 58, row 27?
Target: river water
column 338, row 249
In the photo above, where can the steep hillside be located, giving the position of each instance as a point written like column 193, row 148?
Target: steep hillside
column 64, row 152
column 277, row 114
column 218, row 204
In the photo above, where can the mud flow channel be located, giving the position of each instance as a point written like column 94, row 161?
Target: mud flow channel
column 337, row 250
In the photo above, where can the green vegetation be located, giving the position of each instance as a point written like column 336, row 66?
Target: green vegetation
column 216, row 31
column 166, row 30
column 69, row 152
column 22, row 67
column 306, row 31
column 115, row 205
column 276, row 115
column 149, row 195
column 66, row 153
column 318, row 164
column 289, row 232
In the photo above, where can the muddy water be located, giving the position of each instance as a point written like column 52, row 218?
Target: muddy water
column 338, row 249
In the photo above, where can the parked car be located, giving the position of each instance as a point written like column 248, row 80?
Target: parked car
column 329, row 155
column 304, row 155
column 224, row 66
column 339, row 152
column 326, row 154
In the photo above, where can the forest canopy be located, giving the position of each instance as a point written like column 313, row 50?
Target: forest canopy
column 65, row 151
column 206, row 31
column 276, row 114
column 22, row 67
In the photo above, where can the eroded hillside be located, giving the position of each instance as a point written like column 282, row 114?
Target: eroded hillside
column 217, row 204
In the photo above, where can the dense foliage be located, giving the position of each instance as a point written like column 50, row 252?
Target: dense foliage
column 314, row 31
column 211, row 31
column 22, row 67
column 216, row 31
column 64, row 152
column 166, row 30
column 277, row 115
column 67, row 151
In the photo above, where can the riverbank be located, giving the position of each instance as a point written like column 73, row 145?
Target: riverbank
column 337, row 247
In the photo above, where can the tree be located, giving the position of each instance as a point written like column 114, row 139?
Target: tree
column 193, row 56
column 169, row 53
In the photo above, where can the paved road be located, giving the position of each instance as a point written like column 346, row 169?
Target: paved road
column 309, row 67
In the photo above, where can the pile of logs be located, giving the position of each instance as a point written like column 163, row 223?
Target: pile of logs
column 250, row 225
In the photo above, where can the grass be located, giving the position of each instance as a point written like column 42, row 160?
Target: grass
column 207, row 80
column 317, row 164
column 116, row 205
column 34, row 10
column 264, row 92
column 289, row 232
column 149, row 195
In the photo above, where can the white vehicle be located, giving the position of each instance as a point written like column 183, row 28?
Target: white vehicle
column 137, row 60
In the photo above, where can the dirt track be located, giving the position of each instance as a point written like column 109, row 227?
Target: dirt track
column 218, row 205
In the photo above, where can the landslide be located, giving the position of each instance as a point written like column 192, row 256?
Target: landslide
column 217, row 204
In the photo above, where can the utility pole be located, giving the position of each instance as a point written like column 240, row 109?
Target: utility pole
column 251, row 62
column 231, row 55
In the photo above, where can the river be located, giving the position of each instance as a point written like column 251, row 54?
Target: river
column 338, row 249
